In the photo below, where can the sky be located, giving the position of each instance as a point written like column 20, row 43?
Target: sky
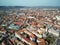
column 29, row 2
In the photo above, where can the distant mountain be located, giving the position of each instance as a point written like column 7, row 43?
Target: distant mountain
column 46, row 7
column 13, row 7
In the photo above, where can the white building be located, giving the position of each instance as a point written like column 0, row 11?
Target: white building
column 51, row 30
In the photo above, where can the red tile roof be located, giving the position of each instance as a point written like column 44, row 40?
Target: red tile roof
column 41, row 41
column 18, row 23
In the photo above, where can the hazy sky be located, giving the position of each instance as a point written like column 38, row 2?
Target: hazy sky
column 29, row 2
